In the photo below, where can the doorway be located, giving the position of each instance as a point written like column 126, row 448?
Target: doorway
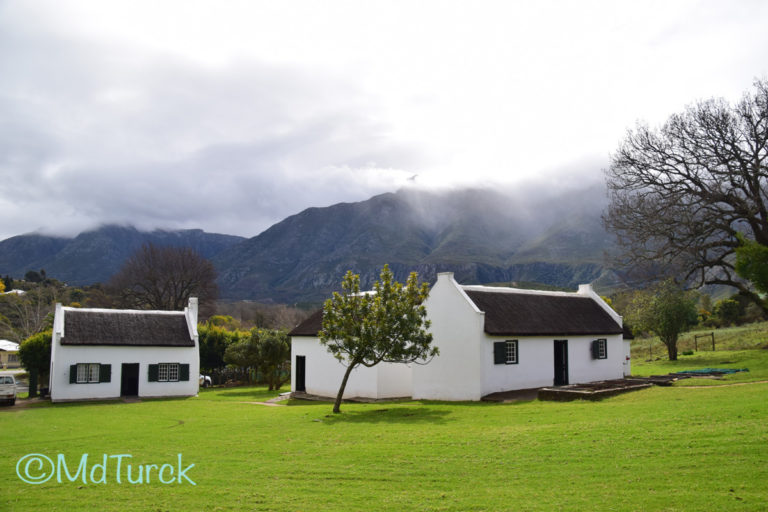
column 301, row 372
column 561, row 362
column 129, row 379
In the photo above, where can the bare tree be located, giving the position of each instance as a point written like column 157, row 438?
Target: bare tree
column 165, row 278
column 681, row 195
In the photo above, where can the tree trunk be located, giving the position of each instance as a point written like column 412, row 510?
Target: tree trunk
column 337, row 405
column 32, row 383
column 671, row 349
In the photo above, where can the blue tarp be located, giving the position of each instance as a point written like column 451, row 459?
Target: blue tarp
column 707, row 371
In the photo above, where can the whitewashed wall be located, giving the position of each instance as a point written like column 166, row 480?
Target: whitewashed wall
column 457, row 328
column 627, row 358
column 66, row 355
column 324, row 373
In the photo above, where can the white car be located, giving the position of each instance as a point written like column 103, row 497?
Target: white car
column 8, row 388
column 205, row 381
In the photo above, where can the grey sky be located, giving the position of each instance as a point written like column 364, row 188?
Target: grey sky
column 230, row 116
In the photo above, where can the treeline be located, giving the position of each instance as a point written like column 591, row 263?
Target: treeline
column 230, row 354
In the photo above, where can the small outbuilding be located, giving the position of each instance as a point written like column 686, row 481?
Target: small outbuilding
column 316, row 372
column 112, row 353
column 9, row 354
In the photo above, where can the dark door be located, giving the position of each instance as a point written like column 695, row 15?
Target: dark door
column 301, row 372
column 561, row 362
column 129, row 379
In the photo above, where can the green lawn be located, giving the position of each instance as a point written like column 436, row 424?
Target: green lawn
column 736, row 347
column 657, row 449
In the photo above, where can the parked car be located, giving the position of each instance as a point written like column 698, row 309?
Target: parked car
column 205, row 381
column 8, row 388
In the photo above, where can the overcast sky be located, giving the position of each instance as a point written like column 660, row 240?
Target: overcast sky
column 230, row 116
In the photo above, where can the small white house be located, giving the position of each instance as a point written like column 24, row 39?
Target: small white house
column 491, row 339
column 316, row 372
column 109, row 353
column 9, row 354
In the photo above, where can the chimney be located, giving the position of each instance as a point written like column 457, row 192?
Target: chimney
column 192, row 310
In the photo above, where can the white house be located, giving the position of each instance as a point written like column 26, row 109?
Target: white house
column 490, row 339
column 494, row 339
column 9, row 354
column 315, row 371
column 109, row 353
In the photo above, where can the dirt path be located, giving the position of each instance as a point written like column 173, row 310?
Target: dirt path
column 268, row 404
column 723, row 385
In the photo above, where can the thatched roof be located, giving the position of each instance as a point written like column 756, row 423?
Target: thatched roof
column 309, row 327
column 132, row 328
column 527, row 314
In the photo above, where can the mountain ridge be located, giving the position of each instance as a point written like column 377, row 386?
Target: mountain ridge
column 482, row 235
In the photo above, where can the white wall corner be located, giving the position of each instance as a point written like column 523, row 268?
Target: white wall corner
column 191, row 312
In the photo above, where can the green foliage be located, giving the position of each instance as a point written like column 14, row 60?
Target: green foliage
column 752, row 263
column 35, row 356
column 244, row 353
column 214, row 341
column 33, row 277
column 274, row 357
column 224, row 321
column 387, row 325
column 2, row 286
column 666, row 310
column 728, row 312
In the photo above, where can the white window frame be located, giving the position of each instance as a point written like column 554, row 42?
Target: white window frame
column 168, row 372
column 512, row 351
column 88, row 373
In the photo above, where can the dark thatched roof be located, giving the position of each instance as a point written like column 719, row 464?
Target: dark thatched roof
column 309, row 327
column 84, row 327
column 527, row 314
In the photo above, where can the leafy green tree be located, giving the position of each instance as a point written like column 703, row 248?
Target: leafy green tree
column 387, row 325
column 752, row 263
column 665, row 310
column 213, row 341
column 244, row 353
column 35, row 356
column 274, row 357
column 728, row 312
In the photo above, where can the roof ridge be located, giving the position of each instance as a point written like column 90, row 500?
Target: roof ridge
column 505, row 290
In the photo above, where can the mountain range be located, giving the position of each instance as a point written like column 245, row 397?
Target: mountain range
column 482, row 235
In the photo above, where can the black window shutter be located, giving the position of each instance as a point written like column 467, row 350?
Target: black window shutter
column 183, row 372
column 73, row 374
column 499, row 352
column 105, row 373
column 153, row 373
column 595, row 349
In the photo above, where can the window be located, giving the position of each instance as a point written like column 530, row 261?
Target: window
column 505, row 352
column 600, row 349
column 89, row 373
column 168, row 372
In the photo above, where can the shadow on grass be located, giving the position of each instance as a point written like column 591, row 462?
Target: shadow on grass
column 408, row 414
column 240, row 393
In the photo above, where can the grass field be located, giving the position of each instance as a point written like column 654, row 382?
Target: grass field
column 656, row 449
column 681, row 448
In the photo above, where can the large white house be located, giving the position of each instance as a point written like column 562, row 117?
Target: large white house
column 109, row 353
column 490, row 339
